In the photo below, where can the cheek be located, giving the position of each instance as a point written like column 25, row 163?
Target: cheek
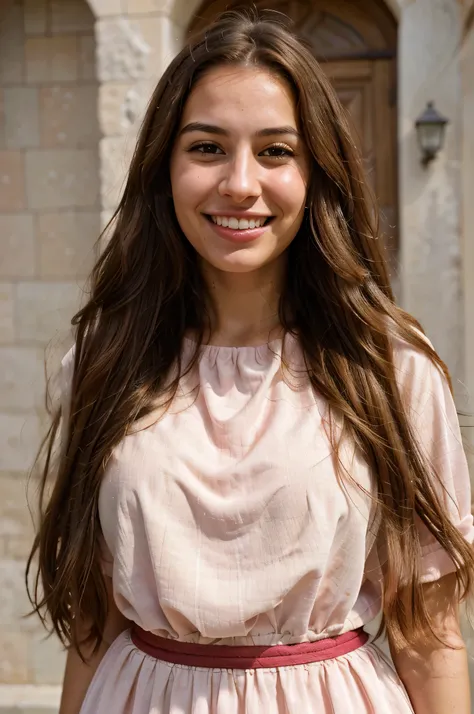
column 182, row 185
column 189, row 184
column 290, row 190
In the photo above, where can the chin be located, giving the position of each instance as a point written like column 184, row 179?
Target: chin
column 236, row 266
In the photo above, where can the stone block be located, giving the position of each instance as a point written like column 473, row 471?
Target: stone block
column 21, row 117
column 64, row 58
column 15, row 519
column 7, row 329
column 12, row 181
column 183, row 10
column 66, row 243
column 106, row 8
column 115, row 155
column 70, row 16
column 163, row 37
column 52, row 59
column 38, row 60
column 2, row 121
column 19, row 441
column 17, row 246
column 107, row 221
column 44, row 310
column 46, row 659
column 121, row 106
column 136, row 47
column 13, row 656
column 87, row 61
column 11, row 44
column 35, row 17
column 14, row 605
column 19, row 547
column 22, row 382
column 68, row 117
column 29, row 699
column 148, row 7
column 62, row 178
column 122, row 52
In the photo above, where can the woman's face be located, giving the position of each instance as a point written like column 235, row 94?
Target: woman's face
column 239, row 169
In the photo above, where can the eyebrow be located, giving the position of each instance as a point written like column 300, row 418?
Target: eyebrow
column 212, row 129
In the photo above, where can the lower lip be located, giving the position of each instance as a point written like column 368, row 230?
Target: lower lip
column 235, row 236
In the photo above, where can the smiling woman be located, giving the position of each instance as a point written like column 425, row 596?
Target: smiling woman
column 233, row 168
column 260, row 449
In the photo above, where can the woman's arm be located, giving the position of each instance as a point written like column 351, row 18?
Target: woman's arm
column 78, row 675
column 436, row 677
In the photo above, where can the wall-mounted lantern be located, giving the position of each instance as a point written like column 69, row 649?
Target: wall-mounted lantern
column 430, row 128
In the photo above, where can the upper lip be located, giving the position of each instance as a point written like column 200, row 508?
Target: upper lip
column 238, row 214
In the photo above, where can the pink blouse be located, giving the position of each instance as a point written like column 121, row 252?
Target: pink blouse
column 224, row 521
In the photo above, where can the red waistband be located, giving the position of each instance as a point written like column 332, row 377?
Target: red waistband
column 247, row 657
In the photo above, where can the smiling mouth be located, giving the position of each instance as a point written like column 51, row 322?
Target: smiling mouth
column 239, row 224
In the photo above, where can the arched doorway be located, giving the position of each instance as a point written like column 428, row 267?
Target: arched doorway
column 356, row 43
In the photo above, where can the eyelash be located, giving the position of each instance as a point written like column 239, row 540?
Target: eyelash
column 202, row 145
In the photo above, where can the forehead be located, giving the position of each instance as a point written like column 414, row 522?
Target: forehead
column 241, row 97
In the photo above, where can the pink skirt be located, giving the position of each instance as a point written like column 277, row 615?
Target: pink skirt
column 145, row 674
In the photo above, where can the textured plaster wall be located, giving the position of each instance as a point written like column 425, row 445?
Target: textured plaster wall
column 467, row 229
column 430, row 198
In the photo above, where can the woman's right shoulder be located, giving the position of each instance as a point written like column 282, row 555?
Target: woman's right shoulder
column 67, row 369
column 68, row 359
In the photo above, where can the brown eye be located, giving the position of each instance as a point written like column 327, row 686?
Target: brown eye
column 206, row 148
column 277, row 152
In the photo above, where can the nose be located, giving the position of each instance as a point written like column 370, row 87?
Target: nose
column 241, row 177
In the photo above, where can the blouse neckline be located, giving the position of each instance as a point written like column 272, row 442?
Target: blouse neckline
column 228, row 350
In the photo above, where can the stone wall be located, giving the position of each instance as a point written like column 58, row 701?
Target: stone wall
column 49, row 221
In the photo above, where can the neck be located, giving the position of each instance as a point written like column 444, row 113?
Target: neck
column 245, row 305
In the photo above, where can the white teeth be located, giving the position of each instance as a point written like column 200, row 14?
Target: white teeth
column 240, row 224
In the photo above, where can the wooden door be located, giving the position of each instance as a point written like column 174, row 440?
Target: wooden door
column 366, row 89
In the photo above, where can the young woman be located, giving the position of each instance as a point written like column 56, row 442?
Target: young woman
column 260, row 451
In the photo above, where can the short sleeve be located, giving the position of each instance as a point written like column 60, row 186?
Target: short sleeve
column 65, row 387
column 432, row 413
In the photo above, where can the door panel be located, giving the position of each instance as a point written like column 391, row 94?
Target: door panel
column 353, row 81
column 366, row 90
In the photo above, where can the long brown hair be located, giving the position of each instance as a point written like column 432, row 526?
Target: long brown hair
column 147, row 291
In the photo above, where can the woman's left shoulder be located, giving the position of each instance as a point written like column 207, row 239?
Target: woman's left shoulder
column 418, row 375
column 407, row 353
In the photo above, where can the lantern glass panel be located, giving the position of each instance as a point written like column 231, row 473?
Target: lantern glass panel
column 430, row 137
